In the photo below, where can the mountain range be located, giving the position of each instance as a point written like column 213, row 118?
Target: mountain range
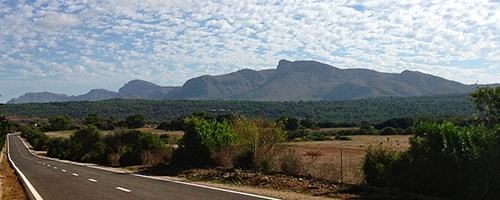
column 290, row 81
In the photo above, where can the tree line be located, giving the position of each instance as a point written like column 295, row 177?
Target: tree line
column 373, row 110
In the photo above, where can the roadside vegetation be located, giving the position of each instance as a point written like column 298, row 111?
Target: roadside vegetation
column 444, row 159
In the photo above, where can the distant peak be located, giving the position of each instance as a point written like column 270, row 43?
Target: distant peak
column 284, row 62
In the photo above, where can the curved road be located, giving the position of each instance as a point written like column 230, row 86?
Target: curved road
column 57, row 180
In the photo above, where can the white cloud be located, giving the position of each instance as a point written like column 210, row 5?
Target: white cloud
column 171, row 41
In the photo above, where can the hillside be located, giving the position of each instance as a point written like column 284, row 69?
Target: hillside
column 290, row 81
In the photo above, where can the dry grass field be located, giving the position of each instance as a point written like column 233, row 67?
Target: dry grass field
column 67, row 133
column 322, row 159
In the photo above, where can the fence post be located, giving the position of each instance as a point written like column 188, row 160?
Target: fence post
column 341, row 166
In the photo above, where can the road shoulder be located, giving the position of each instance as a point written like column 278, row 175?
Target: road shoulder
column 10, row 187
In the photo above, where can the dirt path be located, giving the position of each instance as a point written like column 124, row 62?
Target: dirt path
column 10, row 187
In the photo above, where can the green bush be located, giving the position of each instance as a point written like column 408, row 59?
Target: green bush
column 100, row 122
column 59, row 123
column 204, row 142
column 443, row 160
column 36, row 138
column 135, row 121
column 388, row 131
column 341, row 137
column 4, row 129
column 130, row 146
column 258, row 142
column 378, row 166
column 86, row 145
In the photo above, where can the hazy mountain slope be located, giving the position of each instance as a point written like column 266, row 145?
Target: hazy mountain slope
column 223, row 86
column 143, row 90
column 96, row 95
column 310, row 80
column 290, row 81
column 40, row 97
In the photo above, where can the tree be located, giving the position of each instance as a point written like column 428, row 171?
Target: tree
column 307, row 123
column 99, row 122
column 59, row 123
column 4, row 125
column 86, row 145
column 206, row 142
column 289, row 123
column 135, row 121
column 4, row 128
column 487, row 101
column 92, row 119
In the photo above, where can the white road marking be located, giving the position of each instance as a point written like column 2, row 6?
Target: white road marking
column 92, row 180
column 63, row 170
column 75, row 174
column 123, row 189
column 48, row 165
column 207, row 187
column 55, row 167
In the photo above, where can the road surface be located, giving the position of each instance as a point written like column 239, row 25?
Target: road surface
column 57, row 180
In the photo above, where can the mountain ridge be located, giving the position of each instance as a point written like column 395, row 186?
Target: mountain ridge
column 289, row 81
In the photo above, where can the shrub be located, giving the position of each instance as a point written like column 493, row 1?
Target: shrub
column 388, row 131
column 378, row 166
column 132, row 147
column 204, row 143
column 36, row 138
column 135, row 121
column 99, row 122
column 443, row 160
column 86, row 145
column 291, row 163
column 341, row 137
column 257, row 142
column 173, row 125
column 58, row 148
column 59, row 123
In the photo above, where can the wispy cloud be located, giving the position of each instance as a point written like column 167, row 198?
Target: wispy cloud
column 167, row 42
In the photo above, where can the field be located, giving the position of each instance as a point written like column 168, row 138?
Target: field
column 67, row 133
column 322, row 159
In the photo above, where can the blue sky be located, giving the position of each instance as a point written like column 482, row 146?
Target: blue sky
column 73, row 46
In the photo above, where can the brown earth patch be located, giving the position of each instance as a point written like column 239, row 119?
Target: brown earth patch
column 10, row 186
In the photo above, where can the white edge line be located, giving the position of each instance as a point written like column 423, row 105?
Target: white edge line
column 207, row 187
column 92, row 180
column 75, row 174
column 30, row 187
column 123, row 189
column 143, row 176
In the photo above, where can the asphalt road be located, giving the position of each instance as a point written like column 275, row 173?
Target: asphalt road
column 57, row 180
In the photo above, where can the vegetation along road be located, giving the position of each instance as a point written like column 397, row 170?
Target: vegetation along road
column 56, row 180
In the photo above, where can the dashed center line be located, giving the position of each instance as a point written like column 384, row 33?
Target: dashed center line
column 92, row 180
column 63, row 170
column 75, row 174
column 48, row 165
column 123, row 189
column 55, row 167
